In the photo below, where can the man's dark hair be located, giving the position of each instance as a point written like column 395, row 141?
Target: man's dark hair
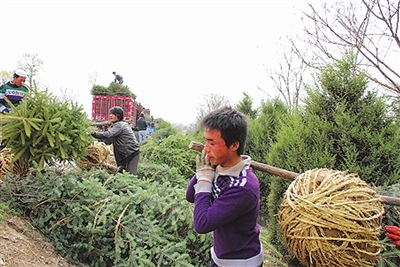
column 118, row 111
column 231, row 123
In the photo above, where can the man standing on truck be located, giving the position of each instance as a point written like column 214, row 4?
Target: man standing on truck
column 141, row 124
column 118, row 78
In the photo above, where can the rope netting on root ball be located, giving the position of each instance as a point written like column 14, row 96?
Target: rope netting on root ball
column 329, row 218
column 99, row 155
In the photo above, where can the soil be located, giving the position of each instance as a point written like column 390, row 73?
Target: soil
column 23, row 245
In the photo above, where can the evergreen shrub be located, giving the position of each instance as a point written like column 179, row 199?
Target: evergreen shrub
column 114, row 89
column 46, row 131
column 163, row 132
column 262, row 133
column 341, row 126
column 173, row 151
column 97, row 219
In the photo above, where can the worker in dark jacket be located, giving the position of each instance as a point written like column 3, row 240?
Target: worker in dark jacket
column 141, row 124
column 126, row 148
column 118, row 78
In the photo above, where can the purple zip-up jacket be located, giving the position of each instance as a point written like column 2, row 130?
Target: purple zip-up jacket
column 231, row 212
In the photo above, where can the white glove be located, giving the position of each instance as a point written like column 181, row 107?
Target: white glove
column 204, row 171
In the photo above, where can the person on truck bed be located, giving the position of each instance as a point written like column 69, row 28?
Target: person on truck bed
column 118, row 78
column 126, row 147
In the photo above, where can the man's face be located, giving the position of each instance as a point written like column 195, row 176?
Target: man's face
column 113, row 117
column 19, row 80
column 217, row 151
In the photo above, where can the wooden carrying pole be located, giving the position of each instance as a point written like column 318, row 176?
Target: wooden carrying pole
column 288, row 174
column 105, row 123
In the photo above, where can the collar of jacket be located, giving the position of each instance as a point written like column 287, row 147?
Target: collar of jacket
column 234, row 171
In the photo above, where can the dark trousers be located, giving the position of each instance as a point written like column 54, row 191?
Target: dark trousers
column 132, row 165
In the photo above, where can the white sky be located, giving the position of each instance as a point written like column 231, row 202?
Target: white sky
column 170, row 53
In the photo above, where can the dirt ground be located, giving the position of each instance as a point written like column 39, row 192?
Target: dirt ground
column 22, row 245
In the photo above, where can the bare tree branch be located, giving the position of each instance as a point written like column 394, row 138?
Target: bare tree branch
column 210, row 103
column 370, row 29
column 288, row 77
column 32, row 64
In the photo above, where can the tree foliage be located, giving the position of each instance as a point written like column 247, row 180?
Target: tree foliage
column 261, row 135
column 246, row 106
column 32, row 65
column 343, row 127
column 289, row 76
column 362, row 132
column 112, row 89
column 97, row 219
column 173, row 151
column 5, row 76
column 370, row 28
column 210, row 103
column 163, row 131
column 45, row 131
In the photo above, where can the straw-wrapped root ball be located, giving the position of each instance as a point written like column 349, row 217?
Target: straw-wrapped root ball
column 99, row 155
column 8, row 166
column 329, row 218
column 5, row 162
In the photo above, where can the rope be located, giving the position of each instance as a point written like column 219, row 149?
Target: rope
column 99, row 155
column 5, row 162
column 332, row 219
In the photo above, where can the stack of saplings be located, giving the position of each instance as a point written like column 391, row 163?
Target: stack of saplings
column 97, row 219
column 112, row 89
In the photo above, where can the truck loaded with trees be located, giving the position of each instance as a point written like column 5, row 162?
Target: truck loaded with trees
column 115, row 94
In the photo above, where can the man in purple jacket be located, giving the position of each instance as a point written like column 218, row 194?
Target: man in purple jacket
column 226, row 192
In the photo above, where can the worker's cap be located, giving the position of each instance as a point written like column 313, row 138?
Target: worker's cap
column 20, row 73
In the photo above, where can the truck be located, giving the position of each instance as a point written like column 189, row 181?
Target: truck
column 101, row 105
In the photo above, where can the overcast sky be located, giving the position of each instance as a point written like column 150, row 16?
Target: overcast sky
column 170, row 53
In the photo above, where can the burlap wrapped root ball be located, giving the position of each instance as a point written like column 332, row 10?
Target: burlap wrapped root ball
column 99, row 155
column 5, row 162
column 8, row 166
column 329, row 218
